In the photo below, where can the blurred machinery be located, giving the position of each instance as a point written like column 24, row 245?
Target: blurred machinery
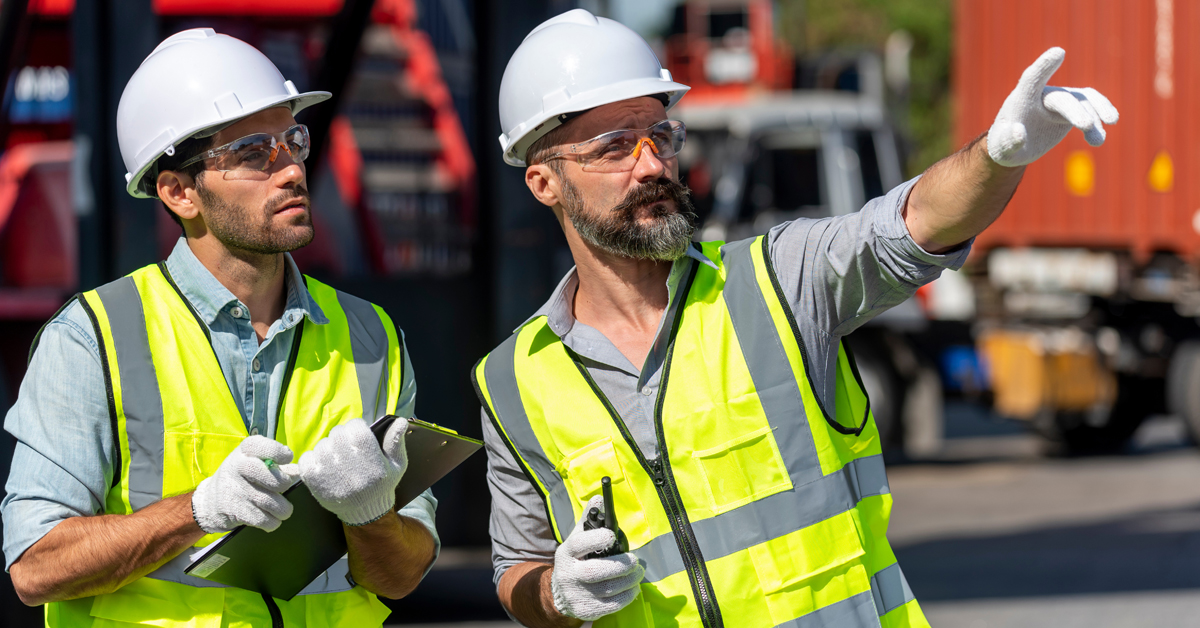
column 772, row 139
column 1087, row 289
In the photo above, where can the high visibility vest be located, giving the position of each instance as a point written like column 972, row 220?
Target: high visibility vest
column 767, row 509
column 175, row 421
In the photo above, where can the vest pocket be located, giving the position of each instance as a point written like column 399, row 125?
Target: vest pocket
column 811, row 568
column 581, row 472
column 743, row 469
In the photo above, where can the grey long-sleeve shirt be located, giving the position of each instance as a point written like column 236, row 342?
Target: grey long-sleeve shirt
column 837, row 273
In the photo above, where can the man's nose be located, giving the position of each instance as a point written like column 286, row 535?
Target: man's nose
column 287, row 170
column 647, row 165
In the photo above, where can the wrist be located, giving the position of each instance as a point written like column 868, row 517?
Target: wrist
column 550, row 607
column 370, row 510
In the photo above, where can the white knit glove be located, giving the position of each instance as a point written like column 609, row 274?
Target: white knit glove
column 590, row 588
column 245, row 490
column 351, row 476
column 1036, row 117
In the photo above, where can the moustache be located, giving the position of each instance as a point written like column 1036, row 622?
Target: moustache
column 655, row 191
column 286, row 197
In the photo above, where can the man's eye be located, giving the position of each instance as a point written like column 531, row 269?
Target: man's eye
column 252, row 156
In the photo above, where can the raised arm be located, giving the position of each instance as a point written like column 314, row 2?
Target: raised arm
column 964, row 193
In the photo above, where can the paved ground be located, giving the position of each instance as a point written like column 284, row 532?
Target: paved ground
column 998, row 534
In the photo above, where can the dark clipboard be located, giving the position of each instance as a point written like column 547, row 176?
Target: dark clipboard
column 283, row 562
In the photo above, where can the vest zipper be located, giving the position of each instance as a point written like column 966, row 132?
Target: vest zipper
column 664, row 482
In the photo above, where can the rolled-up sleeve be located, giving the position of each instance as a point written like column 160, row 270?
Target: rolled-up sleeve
column 424, row 507
column 838, row 273
column 519, row 525
column 63, row 462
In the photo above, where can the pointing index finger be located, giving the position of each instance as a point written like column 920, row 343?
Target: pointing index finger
column 1035, row 77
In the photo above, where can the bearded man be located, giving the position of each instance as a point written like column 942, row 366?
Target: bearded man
column 708, row 381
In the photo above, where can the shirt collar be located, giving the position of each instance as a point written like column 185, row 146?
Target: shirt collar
column 558, row 310
column 209, row 297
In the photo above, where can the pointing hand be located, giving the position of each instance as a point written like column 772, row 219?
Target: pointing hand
column 1035, row 117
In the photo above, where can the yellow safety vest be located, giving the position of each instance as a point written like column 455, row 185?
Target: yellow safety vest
column 175, row 421
column 767, row 509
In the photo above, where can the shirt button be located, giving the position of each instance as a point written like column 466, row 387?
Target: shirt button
column 254, row 432
column 236, row 312
column 647, row 391
column 256, row 365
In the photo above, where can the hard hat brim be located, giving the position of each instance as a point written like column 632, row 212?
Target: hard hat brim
column 296, row 103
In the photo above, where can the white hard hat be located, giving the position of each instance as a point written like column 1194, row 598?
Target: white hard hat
column 194, row 84
column 571, row 63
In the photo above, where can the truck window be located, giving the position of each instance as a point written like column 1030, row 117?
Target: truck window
column 868, row 161
column 787, row 181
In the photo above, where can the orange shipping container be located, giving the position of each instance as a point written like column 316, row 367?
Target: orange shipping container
column 1139, row 192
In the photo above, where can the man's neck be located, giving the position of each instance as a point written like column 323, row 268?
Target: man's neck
column 623, row 298
column 256, row 279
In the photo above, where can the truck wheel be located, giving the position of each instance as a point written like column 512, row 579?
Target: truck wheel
column 1107, row 430
column 1183, row 386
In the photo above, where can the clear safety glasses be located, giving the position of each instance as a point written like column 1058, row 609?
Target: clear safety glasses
column 618, row 151
column 256, row 153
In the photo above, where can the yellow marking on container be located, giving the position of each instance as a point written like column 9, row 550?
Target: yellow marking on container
column 1080, row 173
column 1162, row 173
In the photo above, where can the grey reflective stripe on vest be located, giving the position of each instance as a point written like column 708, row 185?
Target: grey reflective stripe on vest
column 510, row 412
column 369, row 343
column 856, row 611
column 770, row 517
column 890, row 589
column 332, row 581
column 140, row 396
column 762, row 348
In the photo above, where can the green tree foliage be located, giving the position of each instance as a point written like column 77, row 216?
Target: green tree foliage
column 813, row 26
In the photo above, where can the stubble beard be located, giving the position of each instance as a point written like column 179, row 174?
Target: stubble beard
column 618, row 230
column 231, row 224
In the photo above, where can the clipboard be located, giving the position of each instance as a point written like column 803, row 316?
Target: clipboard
column 282, row 563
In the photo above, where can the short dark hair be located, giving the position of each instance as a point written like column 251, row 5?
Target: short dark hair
column 184, row 151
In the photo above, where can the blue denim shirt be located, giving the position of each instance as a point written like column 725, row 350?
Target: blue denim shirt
column 63, row 463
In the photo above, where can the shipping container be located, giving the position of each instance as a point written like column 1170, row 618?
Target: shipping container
column 1136, row 192
column 1090, row 280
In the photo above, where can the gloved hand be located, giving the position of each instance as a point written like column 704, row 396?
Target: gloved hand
column 1034, row 117
column 245, row 490
column 589, row 589
column 351, row 476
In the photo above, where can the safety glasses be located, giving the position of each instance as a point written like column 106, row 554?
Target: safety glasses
column 618, row 151
column 256, row 153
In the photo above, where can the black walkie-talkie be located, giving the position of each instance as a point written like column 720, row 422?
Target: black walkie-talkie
column 609, row 520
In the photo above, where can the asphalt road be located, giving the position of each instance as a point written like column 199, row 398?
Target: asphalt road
column 1001, row 533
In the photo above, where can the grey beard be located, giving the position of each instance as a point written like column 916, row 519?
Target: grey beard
column 618, row 232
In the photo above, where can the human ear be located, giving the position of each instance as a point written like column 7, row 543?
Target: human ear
column 173, row 188
column 544, row 184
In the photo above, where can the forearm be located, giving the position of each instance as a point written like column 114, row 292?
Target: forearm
column 389, row 557
column 958, row 197
column 525, row 591
column 86, row 556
